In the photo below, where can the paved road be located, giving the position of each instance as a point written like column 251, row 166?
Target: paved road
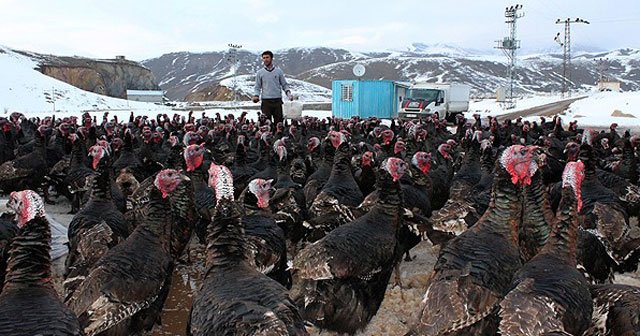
column 547, row 110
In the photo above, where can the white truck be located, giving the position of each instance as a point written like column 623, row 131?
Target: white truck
column 425, row 99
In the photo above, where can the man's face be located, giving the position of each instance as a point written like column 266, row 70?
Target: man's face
column 266, row 60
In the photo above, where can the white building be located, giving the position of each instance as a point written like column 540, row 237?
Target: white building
column 148, row 96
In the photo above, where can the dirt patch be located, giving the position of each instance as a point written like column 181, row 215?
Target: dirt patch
column 618, row 113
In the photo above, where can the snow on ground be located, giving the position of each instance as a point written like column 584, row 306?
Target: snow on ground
column 598, row 109
column 603, row 108
column 490, row 107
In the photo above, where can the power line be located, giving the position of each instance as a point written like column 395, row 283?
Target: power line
column 566, row 57
column 510, row 44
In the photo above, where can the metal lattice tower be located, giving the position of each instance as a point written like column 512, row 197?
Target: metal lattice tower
column 232, row 57
column 566, row 57
column 510, row 44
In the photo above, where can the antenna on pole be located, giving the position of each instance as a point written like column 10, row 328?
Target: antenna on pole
column 233, row 60
column 509, row 45
column 566, row 57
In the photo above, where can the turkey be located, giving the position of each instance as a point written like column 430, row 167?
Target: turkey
column 458, row 213
column 319, row 177
column 26, row 171
column 253, row 303
column 125, row 291
column 96, row 228
column 241, row 170
column 8, row 230
column 615, row 310
column 340, row 189
column 204, row 195
column 340, row 280
column 604, row 216
column 29, row 305
column 365, row 173
column 266, row 239
column 473, row 272
column 537, row 216
column 79, row 176
column 549, row 293
column 441, row 174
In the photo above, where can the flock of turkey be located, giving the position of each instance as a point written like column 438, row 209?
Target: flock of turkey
column 305, row 224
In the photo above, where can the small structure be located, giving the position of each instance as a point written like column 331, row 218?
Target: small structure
column 148, row 96
column 367, row 98
column 608, row 85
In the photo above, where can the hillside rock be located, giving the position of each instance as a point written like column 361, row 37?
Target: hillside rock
column 111, row 77
column 214, row 92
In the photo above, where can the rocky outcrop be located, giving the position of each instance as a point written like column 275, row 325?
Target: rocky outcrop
column 214, row 92
column 108, row 77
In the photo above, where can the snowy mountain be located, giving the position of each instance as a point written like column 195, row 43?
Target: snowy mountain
column 183, row 74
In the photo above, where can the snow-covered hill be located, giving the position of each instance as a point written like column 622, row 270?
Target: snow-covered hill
column 305, row 92
column 485, row 70
column 24, row 89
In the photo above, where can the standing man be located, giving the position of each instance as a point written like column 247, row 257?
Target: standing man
column 270, row 82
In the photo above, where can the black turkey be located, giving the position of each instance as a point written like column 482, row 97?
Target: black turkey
column 341, row 279
column 473, row 272
column 29, row 305
column 96, row 228
column 253, row 304
column 616, row 310
column 8, row 230
column 549, row 293
column 266, row 239
column 125, row 291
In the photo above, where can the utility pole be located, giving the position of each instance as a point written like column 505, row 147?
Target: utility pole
column 601, row 66
column 510, row 44
column 232, row 58
column 566, row 57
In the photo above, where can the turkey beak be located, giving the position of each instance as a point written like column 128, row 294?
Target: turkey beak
column 408, row 172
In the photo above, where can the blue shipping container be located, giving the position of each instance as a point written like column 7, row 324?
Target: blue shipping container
column 367, row 98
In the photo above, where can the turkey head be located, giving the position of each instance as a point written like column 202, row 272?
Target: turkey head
column 572, row 176
column 444, row 150
column 422, row 161
column 27, row 205
column 572, row 150
column 312, row 144
column 399, row 148
column 395, row 167
column 387, row 136
column 281, row 151
column 97, row 152
column 168, row 180
column 260, row 188
column 336, row 138
column 193, row 156
column 520, row 162
column 368, row 159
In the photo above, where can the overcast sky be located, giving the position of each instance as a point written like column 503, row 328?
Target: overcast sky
column 143, row 29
